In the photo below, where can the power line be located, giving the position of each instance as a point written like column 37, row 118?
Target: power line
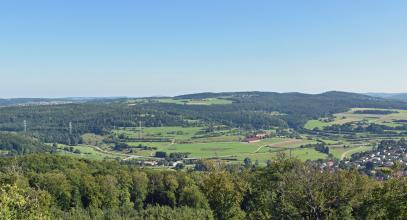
column 140, row 130
column 70, row 128
column 25, row 126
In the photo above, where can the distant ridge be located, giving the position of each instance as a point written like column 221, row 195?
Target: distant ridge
column 394, row 96
column 52, row 101
column 328, row 94
column 297, row 96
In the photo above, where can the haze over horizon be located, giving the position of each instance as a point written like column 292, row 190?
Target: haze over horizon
column 165, row 48
column 374, row 94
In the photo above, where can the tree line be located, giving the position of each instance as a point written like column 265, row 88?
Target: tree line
column 13, row 144
column 45, row 186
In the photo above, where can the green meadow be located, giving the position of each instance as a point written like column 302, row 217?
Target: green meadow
column 342, row 153
column 233, row 149
column 227, row 145
column 300, row 153
column 351, row 116
column 177, row 133
column 88, row 152
column 207, row 101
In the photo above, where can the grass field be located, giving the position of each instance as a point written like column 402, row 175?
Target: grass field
column 224, row 145
column 159, row 145
column 203, row 150
column 229, row 146
column 350, row 116
column 339, row 152
column 208, row 101
column 363, row 141
column 87, row 152
column 311, row 124
column 177, row 133
column 238, row 150
column 355, row 150
column 92, row 139
column 222, row 138
column 300, row 153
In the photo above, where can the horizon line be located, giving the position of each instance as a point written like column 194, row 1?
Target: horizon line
column 192, row 93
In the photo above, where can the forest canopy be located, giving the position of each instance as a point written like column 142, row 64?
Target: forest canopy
column 65, row 187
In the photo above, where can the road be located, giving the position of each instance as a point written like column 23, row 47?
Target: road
column 127, row 157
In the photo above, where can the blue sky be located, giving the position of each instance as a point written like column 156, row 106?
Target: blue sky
column 169, row 47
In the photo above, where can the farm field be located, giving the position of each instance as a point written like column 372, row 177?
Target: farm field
column 344, row 152
column 307, row 154
column 226, row 144
column 355, row 150
column 300, row 153
column 184, row 139
column 88, row 152
column 205, row 150
column 207, row 101
column 225, row 149
column 222, row 138
column 350, row 116
column 177, row 133
column 311, row 124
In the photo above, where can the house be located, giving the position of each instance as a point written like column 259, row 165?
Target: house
column 330, row 163
column 376, row 159
column 264, row 134
column 190, row 160
column 174, row 164
column 149, row 163
column 261, row 135
column 389, row 164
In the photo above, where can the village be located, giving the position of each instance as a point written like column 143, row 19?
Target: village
column 389, row 155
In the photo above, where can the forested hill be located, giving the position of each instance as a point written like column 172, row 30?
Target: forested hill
column 248, row 110
column 394, row 96
column 297, row 107
column 14, row 144
column 282, row 97
column 32, row 101
column 51, row 101
column 325, row 103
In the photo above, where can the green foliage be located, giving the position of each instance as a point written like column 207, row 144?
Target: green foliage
column 387, row 201
column 56, row 187
column 51, row 123
column 16, row 144
column 76, row 184
column 21, row 204
column 225, row 195
column 149, row 213
column 193, row 197
column 166, row 213
column 139, row 189
column 160, row 154
column 375, row 112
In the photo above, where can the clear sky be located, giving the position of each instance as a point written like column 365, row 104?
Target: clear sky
column 60, row 48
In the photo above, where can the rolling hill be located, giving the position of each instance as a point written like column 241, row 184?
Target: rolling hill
column 394, row 96
column 249, row 110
